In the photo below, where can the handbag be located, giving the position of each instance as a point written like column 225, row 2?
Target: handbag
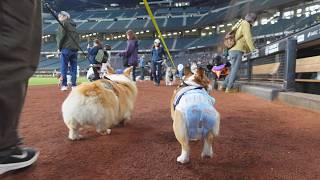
column 230, row 38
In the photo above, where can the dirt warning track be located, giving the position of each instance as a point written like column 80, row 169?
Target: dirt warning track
column 258, row 140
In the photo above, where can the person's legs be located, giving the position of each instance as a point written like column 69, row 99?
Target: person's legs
column 134, row 73
column 236, row 62
column 73, row 70
column 19, row 57
column 64, row 56
column 154, row 72
column 142, row 73
column 11, row 102
column 159, row 69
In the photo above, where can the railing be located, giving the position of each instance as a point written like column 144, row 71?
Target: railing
column 273, row 64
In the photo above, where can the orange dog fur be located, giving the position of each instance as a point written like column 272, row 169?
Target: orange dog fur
column 102, row 104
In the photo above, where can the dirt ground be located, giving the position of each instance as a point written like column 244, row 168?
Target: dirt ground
column 258, row 140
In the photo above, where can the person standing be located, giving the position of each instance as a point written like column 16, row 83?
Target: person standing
column 244, row 44
column 157, row 57
column 142, row 64
column 20, row 42
column 95, row 65
column 131, row 52
column 68, row 45
column 93, row 51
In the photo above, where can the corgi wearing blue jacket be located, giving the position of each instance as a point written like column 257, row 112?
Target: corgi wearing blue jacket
column 194, row 115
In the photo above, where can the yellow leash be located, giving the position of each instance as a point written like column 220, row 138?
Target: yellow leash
column 155, row 24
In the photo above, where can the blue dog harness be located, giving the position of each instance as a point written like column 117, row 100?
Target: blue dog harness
column 197, row 107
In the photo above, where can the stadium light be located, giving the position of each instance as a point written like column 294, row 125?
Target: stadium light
column 147, row 31
column 207, row 28
column 203, row 34
column 123, row 35
column 169, row 34
column 119, row 36
column 213, row 27
column 115, row 37
column 222, row 25
column 223, row 31
column 94, row 34
column 194, row 30
column 141, row 32
column 108, row 39
column 229, row 24
column 187, row 31
column 137, row 32
column 175, row 33
column 210, row 33
column 164, row 35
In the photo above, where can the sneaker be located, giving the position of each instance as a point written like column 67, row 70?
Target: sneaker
column 221, row 88
column 64, row 88
column 231, row 90
column 19, row 158
column 73, row 87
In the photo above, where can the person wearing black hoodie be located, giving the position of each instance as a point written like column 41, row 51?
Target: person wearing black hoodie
column 67, row 42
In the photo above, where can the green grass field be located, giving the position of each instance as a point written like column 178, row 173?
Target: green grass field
column 36, row 81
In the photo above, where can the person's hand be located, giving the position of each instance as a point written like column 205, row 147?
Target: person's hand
column 88, row 46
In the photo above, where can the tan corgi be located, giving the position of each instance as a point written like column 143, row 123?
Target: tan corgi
column 102, row 104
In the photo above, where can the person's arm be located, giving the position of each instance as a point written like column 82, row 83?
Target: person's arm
column 129, row 50
column 246, row 30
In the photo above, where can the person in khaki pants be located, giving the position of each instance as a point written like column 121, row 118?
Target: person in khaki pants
column 20, row 42
column 244, row 44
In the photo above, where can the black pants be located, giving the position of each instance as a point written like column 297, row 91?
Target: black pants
column 134, row 73
column 156, row 71
column 142, row 73
column 20, row 42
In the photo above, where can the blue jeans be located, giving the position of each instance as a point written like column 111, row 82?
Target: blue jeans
column 235, row 57
column 156, row 71
column 68, row 57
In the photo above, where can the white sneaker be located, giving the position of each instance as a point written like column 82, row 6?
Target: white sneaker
column 64, row 88
column 73, row 87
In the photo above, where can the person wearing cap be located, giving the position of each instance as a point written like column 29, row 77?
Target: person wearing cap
column 157, row 56
column 20, row 43
column 68, row 44
column 244, row 44
column 131, row 52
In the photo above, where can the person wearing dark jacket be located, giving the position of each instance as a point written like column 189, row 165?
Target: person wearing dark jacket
column 131, row 52
column 93, row 51
column 20, row 42
column 157, row 57
column 68, row 43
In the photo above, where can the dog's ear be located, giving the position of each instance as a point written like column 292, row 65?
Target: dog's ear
column 187, row 71
column 110, row 70
column 127, row 71
column 200, row 73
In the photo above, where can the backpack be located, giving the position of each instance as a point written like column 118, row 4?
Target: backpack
column 102, row 56
column 230, row 38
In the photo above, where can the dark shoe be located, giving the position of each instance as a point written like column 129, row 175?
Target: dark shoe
column 19, row 158
column 231, row 90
